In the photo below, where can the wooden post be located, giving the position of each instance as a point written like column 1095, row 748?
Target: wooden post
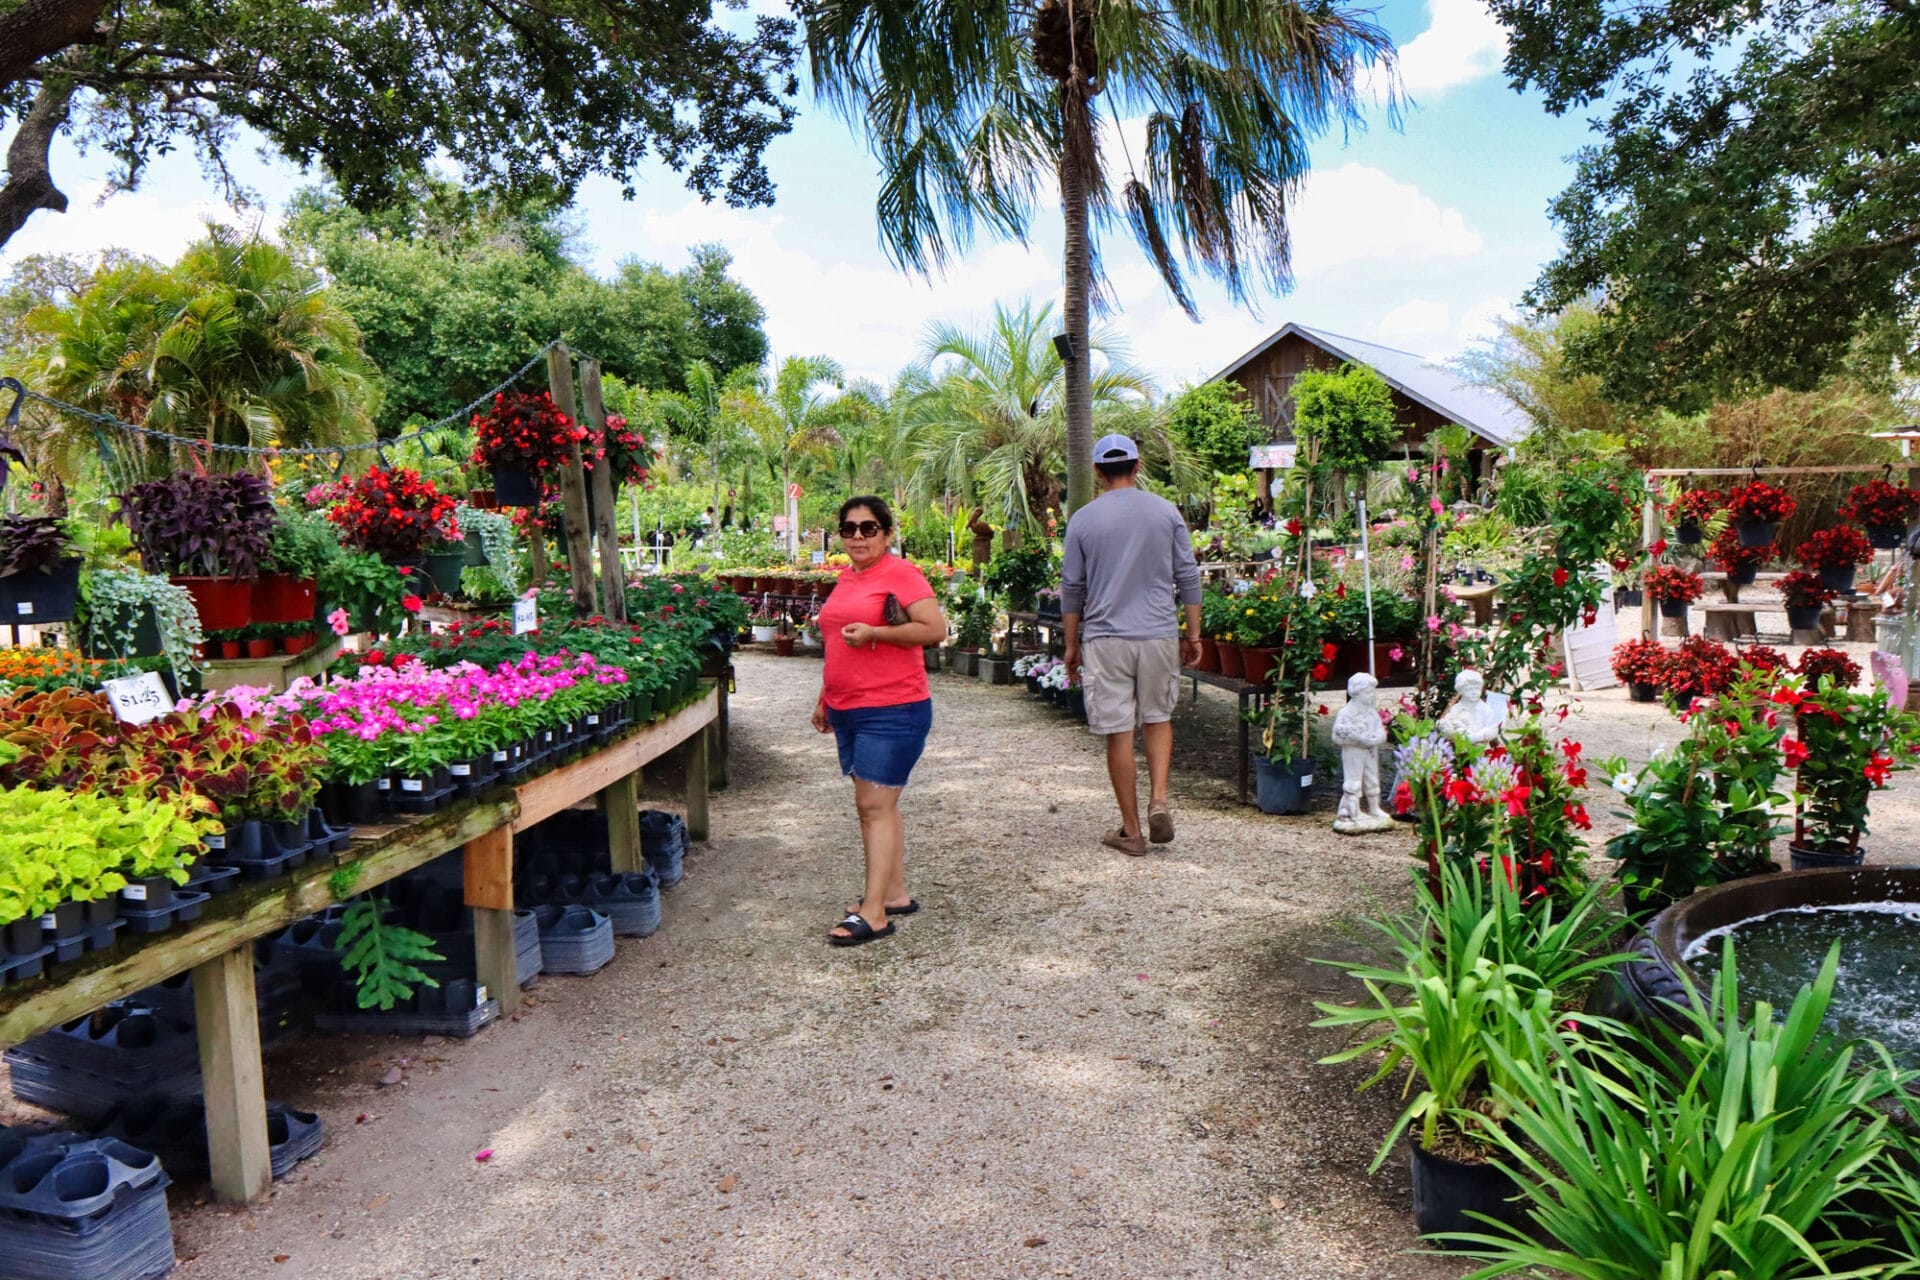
column 495, row 960
column 1649, row 531
column 697, row 784
column 573, row 486
column 606, row 494
column 620, row 802
column 722, row 731
column 232, row 1078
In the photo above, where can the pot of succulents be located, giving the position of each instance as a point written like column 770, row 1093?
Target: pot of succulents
column 522, row 439
column 1673, row 588
column 1849, row 746
column 1884, row 509
column 1740, row 562
column 1691, row 512
column 1835, row 554
column 1639, row 664
column 1756, row 510
column 207, row 533
column 39, row 572
column 1806, row 595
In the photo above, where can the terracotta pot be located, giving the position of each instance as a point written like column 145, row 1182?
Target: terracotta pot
column 260, row 648
column 1231, row 662
column 783, row 645
column 1209, row 655
column 1257, row 663
column 222, row 603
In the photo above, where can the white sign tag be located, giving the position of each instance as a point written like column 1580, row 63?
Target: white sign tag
column 526, row 617
column 24, row 608
column 134, row 893
column 819, row 557
column 1270, row 456
column 138, row 699
column 413, row 784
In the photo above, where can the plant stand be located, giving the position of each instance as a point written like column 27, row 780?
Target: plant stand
column 275, row 672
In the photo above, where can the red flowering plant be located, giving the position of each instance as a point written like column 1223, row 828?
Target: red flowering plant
column 1704, row 810
column 1840, row 547
column 1804, row 590
column 1640, row 661
column 397, row 515
column 1818, row 663
column 1696, row 506
column 1731, row 557
column 1763, row 658
column 524, row 431
column 1669, row 582
column 1879, row 502
column 623, row 447
column 1699, row 668
column 1850, row 745
column 1760, row 503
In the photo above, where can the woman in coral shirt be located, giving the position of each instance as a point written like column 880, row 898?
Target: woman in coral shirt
column 874, row 701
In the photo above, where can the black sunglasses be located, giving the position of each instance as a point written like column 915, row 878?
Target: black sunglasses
column 864, row 528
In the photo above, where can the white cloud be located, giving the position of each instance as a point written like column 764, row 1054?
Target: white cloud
column 141, row 221
column 1417, row 318
column 1463, row 41
column 1357, row 213
column 1431, row 327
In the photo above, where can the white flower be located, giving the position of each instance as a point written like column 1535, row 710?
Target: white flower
column 1625, row 782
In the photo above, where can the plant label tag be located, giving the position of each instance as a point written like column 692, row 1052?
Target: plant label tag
column 593, row 722
column 499, row 757
column 138, row 699
column 526, row 617
column 412, row 784
column 217, row 842
column 46, row 921
column 461, row 770
column 385, row 784
column 819, row 557
column 479, row 996
column 24, row 608
column 134, row 893
column 1306, row 780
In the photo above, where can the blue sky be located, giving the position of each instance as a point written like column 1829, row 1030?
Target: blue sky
column 1417, row 237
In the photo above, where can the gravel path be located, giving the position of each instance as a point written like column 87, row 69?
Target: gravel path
column 1070, row 1064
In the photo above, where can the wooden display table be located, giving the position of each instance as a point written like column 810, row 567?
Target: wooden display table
column 276, row 672
column 1248, row 696
column 218, row 947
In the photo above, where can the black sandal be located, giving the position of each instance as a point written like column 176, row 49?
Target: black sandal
column 858, row 931
column 913, row 905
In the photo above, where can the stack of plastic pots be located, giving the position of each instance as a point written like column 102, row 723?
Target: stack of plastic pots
column 87, row 1066
column 574, row 939
column 75, row 1208
column 663, row 838
column 175, row 1129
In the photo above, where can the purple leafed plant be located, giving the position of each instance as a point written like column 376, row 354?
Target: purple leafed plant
column 192, row 525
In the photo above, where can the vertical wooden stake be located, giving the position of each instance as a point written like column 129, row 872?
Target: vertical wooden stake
column 232, row 1078
column 722, row 731
column 573, row 486
column 1649, row 531
column 606, row 493
column 697, row 784
column 620, row 802
column 495, row 960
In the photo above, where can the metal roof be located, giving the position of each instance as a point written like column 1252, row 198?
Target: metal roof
column 1485, row 412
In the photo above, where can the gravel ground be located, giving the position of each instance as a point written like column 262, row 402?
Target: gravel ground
column 1071, row 1063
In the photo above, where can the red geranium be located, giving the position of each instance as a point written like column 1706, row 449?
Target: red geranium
column 1665, row 582
column 1840, row 547
column 1879, row 503
column 1730, row 556
column 1815, row 663
column 1639, row 661
column 1695, row 506
column 524, row 431
column 1804, row 590
column 1761, row 503
column 1700, row 668
column 394, row 514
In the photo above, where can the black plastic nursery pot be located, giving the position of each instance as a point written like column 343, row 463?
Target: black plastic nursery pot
column 1283, row 787
column 1885, row 537
column 470, row 776
column 1627, row 598
column 1755, row 533
column 1744, row 576
column 1688, row 533
column 1803, row 619
column 1840, row 579
column 21, row 937
column 443, row 570
column 68, row 920
column 1673, row 608
column 41, row 597
column 1808, row 857
column 149, row 893
column 1448, row 1193
column 516, row 488
column 1641, row 691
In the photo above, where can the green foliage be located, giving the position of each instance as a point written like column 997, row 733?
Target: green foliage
column 973, row 615
column 1748, row 211
column 1344, row 417
column 1015, row 574
column 381, row 956
column 453, row 289
column 119, row 600
column 388, row 92
column 302, row 543
column 367, row 587
column 78, row 846
column 1743, row 1147
column 1214, row 423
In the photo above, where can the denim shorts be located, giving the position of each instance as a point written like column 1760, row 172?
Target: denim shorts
column 881, row 744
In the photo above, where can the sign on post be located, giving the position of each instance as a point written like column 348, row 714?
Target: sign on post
column 138, row 699
column 526, row 616
column 1271, row 457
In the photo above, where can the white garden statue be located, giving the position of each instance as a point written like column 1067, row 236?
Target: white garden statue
column 1358, row 733
column 1471, row 716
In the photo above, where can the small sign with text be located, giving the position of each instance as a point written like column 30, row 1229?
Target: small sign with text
column 526, row 617
column 138, row 699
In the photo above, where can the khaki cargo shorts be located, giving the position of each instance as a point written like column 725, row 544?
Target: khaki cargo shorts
column 1129, row 682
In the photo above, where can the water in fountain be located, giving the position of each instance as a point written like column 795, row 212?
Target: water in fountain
column 1877, row 995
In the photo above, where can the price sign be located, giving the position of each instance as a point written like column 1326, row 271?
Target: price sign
column 526, row 617
column 1271, row 456
column 138, row 699
column 819, row 557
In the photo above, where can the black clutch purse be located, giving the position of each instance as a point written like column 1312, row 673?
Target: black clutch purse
column 894, row 612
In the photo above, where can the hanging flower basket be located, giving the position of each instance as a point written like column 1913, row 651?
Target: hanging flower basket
column 1757, row 510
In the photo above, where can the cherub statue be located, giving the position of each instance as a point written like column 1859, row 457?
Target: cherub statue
column 1358, row 733
column 1471, row 716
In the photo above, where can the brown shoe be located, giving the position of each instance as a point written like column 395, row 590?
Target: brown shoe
column 1160, row 826
column 1133, row 846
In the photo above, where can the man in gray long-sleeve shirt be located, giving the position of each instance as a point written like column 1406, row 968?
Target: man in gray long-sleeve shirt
column 1128, row 554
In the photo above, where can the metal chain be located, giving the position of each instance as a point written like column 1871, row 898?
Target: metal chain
column 461, row 416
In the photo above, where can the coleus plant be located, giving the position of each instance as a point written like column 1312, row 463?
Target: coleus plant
column 64, row 846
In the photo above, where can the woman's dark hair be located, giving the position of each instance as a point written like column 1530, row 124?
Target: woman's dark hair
column 882, row 513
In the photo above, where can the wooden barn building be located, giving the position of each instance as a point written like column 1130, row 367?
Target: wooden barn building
column 1427, row 395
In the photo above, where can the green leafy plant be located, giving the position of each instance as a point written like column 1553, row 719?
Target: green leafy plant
column 1345, row 417
column 974, row 621
column 1015, row 574
column 76, row 846
column 119, row 600
column 381, row 956
column 495, row 532
column 367, row 587
column 1713, row 1155
column 302, row 544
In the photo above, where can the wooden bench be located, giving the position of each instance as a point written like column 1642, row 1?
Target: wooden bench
column 1735, row 620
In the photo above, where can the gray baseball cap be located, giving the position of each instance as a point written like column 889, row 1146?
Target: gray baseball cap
column 1114, row 448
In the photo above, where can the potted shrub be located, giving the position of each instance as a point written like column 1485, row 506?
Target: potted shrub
column 207, row 533
column 1640, row 665
column 1834, row 554
column 302, row 544
column 521, row 439
column 260, row 641
column 1674, row 588
column 1757, row 509
column 1016, row 574
column 1216, row 617
column 1850, row 745
column 1806, row 595
column 39, row 574
column 973, row 631
column 1815, row 663
column 1691, row 512
column 1740, row 562
column 1699, row 668
column 1884, row 509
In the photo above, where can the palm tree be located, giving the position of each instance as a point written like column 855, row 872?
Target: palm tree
column 993, row 423
column 796, row 414
column 700, row 417
column 971, row 105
